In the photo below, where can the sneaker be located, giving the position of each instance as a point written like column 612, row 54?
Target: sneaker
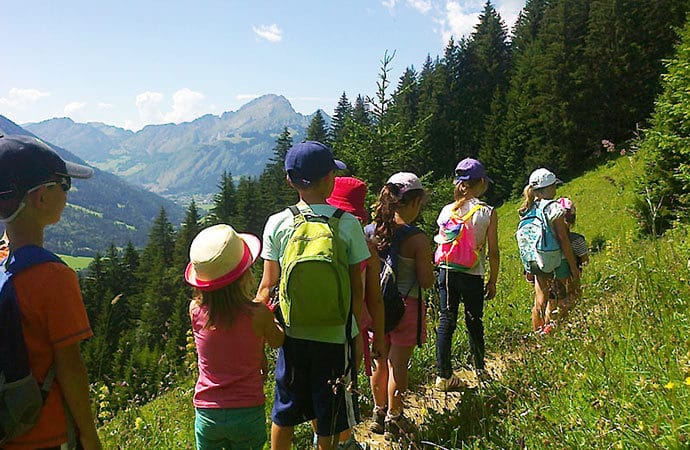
column 350, row 444
column 450, row 384
column 400, row 427
column 378, row 418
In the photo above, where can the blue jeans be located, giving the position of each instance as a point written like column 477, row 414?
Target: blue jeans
column 230, row 428
column 455, row 287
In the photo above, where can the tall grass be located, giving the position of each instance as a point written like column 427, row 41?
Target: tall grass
column 616, row 373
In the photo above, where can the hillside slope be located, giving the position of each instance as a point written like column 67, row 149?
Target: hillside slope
column 615, row 374
column 101, row 210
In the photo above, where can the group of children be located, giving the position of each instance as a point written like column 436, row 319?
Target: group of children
column 319, row 301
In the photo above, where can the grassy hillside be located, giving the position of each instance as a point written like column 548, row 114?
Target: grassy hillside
column 77, row 262
column 616, row 373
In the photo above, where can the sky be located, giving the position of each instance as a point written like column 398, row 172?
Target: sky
column 135, row 63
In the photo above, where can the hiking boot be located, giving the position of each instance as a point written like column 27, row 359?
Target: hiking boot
column 400, row 428
column 378, row 418
column 453, row 383
column 350, row 444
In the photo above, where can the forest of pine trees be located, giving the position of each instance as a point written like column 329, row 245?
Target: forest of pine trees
column 572, row 74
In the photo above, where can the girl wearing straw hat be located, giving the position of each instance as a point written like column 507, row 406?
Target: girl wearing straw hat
column 230, row 330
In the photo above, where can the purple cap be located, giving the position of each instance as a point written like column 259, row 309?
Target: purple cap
column 470, row 169
column 310, row 161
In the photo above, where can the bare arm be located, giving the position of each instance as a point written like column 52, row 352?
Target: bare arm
column 494, row 256
column 375, row 303
column 567, row 249
column 423, row 260
column 268, row 280
column 356, row 291
column 269, row 328
column 71, row 374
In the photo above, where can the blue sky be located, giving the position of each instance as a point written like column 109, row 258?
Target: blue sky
column 134, row 63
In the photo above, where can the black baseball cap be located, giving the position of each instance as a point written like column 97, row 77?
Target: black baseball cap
column 27, row 162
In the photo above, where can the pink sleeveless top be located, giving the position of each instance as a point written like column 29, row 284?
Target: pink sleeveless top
column 229, row 364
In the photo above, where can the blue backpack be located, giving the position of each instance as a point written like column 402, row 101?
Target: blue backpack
column 393, row 300
column 21, row 398
column 538, row 245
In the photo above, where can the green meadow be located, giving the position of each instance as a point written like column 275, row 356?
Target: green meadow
column 614, row 374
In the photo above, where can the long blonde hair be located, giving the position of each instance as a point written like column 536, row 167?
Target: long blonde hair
column 528, row 199
column 462, row 192
column 224, row 305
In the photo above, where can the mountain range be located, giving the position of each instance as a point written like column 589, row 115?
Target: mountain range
column 180, row 160
column 101, row 210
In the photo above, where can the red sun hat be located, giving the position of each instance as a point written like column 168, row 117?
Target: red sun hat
column 349, row 194
column 218, row 256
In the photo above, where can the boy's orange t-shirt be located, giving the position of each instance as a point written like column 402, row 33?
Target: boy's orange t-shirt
column 53, row 316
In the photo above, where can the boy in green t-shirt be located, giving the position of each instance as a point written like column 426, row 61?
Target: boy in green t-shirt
column 311, row 378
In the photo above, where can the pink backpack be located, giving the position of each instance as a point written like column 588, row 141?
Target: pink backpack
column 456, row 247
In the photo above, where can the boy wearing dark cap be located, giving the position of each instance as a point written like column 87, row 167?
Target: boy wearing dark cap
column 34, row 181
column 314, row 357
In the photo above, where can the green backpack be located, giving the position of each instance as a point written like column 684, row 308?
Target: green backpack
column 315, row 277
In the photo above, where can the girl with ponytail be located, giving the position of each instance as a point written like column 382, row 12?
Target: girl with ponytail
column 398, row 206
column 466, row 222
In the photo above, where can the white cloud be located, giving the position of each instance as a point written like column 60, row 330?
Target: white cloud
column 21, row 98
column 423, row 6
column 104, row 105
column 148, row 105
column 458, row 21
column 390, row 4
column 73, row 107
column 509, row 11
column 187, row 105
column 269, row 32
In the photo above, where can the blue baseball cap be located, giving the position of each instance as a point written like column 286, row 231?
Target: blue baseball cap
column 470, row 169
column 310, row 161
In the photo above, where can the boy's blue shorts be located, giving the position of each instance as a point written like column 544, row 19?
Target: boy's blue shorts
column 311, row 384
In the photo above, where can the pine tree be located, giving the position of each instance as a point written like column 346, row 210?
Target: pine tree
column 343, row 112
column 528, row 24
column 317, row 130
column 360, row 112
column 626, row 42
column 664, row 192
column 274, row 191
column 484, row 65
column 159, row 280
column 189, row 229
column 224, row 202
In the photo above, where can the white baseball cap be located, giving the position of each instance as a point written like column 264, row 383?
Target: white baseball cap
column 542, row 178
column 406, row 181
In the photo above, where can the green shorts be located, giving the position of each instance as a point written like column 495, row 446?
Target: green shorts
column 230, row 428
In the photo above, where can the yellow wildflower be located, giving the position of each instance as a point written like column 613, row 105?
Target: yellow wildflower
column 670, row 385
column 687, row 381
column 138, row 423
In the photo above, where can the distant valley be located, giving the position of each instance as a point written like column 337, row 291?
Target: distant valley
column 102, row 210
column 181, row 160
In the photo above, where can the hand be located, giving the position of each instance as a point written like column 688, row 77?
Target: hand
column 264, row 368
column 90, row 440
column 378, row 347
column 490, row 290
column 575, row 286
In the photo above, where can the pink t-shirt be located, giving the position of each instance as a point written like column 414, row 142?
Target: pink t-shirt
column 229, row 363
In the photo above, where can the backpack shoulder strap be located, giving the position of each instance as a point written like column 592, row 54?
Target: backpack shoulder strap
column 30, row 255
column 338, row 213
column 471, row 212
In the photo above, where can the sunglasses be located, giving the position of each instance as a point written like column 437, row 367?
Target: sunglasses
column 65, row 184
